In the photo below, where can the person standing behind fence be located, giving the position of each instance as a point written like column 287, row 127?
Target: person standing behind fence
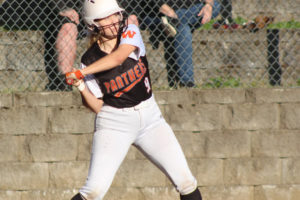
column 117, row 87
column 58, row 19
column 191, row 14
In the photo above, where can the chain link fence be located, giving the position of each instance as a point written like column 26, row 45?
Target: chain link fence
column 254, row 43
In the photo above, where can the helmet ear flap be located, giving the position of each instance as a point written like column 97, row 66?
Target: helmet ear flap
column 93, row 28
column 96, row 29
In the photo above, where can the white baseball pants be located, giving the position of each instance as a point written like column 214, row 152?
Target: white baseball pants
column 144, row 127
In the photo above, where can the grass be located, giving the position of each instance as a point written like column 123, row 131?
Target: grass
column 220, row 82
column 285, row 25
column 292, row 24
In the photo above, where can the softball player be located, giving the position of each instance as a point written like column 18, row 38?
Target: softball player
column 117, row 88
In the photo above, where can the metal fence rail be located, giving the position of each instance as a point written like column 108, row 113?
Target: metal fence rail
column 250, row 43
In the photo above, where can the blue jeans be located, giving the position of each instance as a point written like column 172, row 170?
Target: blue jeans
column 182, row 43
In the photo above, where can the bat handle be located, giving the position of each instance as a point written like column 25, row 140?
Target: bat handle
column 69, row 81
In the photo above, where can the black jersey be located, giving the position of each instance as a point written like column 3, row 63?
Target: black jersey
column 125, row 85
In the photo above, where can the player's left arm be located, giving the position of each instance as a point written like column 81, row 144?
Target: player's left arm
column 130, row 41
column 131, row 44
column 110, row 61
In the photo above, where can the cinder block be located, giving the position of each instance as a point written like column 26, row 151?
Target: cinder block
column 66, row 175
column 252, row 171
column 215, row 144
column 23, row 120
column 228, row 144
column 180, row 96
column 124, row 193
column 227, row 192
column 139, row 173
column 291, row 170
column 290, row 116
column 84, row 147
column 6, row 100
column 49, row 194
column 28, row 47
column 193, row 144
column 278, row 143
column 277, row 95
column 135, row 154
column 195, row 117
column 154, row 193
column 44, row 99
column 223, row 96
column 208, row 172
column 24, row 176
column 252, row 116
column 71, row 120
column 49, row 148
column 10, row 148
column 277, row 192
column 11, row 195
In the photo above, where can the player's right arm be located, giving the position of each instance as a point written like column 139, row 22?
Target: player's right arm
column 90, row 101
column 88, row 98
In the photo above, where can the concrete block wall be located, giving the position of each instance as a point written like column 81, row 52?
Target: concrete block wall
column 241, row 144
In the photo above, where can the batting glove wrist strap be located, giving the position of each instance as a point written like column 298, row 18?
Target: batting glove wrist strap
column 81, row 85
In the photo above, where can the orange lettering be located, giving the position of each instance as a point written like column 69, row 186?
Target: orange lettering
column 124, row 75
column 119, row 82
column 113, row 85
column 129, row 34
column 107, row 85
column 137, row 71
column 131, row 75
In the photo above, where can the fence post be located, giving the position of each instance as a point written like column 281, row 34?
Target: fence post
column 274, row 68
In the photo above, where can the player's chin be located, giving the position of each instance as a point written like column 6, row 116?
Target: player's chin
column 111, row 35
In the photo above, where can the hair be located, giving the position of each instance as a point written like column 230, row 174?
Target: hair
column 95, row 34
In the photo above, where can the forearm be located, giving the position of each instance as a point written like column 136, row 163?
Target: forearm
column 66, row 47
column 110, row 61
column 90, row 101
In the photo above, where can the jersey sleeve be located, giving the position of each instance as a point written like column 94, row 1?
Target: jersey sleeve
column 92, row 84
column 132, row 36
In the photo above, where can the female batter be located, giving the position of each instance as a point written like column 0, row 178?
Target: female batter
column 117, row 88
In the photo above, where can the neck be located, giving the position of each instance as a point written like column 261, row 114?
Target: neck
column 107, row 45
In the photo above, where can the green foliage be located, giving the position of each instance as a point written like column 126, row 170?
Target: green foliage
column 298, row 82
column 285, row 25
column 239, row 20
column 220, row 82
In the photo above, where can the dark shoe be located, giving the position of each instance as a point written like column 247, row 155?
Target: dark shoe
column 225, row 24
column 78, row 197
column 234, row 26
column 187, row 85
column 218, row 24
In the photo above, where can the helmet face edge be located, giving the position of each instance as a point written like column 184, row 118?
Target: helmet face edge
column 98, row 9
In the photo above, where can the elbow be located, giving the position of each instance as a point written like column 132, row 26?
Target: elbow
column 98, row 107
column 119, row 60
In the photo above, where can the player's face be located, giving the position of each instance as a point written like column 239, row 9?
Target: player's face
column 109, row 26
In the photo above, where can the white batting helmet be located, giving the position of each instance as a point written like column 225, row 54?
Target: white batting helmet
column 98, row 9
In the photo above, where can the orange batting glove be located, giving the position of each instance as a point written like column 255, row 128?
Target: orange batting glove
column 74, row 75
